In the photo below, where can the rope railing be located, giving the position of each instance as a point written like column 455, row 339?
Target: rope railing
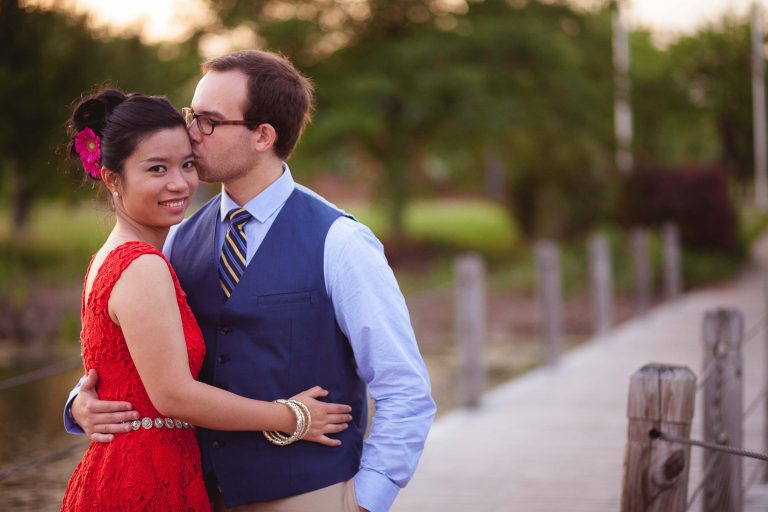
column 714, row 461
column 706, row 374
column 753, row 405
column 661, row 406
column 753, row 475
column 756, row 329
column 750, row 335
column 655, row 434
column 704, row 477
column 41, row 373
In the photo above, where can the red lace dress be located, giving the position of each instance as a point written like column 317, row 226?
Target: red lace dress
column 145, row 469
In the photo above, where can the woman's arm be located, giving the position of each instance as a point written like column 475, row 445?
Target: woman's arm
column 143, row 302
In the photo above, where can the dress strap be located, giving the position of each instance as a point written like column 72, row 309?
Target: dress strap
column 85, row 286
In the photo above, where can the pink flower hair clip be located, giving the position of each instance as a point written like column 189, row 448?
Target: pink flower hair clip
column 88, row 147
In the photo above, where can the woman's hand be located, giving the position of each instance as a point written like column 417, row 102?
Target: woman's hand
column 326, row 418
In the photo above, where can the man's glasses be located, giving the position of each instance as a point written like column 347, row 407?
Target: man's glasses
column 206, row 125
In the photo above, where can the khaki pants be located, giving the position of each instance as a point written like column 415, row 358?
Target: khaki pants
column 334, row 498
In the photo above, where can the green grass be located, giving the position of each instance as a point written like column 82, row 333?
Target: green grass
column 451, row 224
column 57, row 247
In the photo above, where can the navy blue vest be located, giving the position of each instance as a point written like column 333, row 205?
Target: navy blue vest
column 276, row 336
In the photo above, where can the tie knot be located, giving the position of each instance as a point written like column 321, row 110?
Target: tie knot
column 238, row 216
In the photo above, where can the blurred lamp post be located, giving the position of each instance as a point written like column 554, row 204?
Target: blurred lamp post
column 758, row 107
column 622, row 112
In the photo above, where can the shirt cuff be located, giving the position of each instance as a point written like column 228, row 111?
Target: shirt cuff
column 374, row 491
column 69, row 422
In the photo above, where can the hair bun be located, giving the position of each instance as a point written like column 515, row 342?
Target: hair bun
column 92, row 112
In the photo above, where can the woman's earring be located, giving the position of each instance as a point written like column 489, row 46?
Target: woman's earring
column 115, row 193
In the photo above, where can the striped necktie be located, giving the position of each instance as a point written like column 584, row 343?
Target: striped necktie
column 234, row 251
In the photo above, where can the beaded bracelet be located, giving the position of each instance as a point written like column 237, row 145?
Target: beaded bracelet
column 281, row 439
column 303, row 424
column 307, row 417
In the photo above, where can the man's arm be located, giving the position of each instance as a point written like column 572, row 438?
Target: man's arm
column 84, row 413
column 70, row 425
column 371, row 311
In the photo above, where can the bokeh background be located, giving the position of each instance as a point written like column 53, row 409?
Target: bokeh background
column 447, row 126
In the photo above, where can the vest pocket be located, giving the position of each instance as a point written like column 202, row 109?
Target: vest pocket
column 281, row 299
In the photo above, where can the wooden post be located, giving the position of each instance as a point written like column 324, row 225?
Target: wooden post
column 723, row 408
column 549, row 292
column 656, row 471
column 641, row 269
column 470, row 326
column 602, row 283
column 673, row 281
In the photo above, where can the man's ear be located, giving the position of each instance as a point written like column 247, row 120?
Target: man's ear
column 264, row 137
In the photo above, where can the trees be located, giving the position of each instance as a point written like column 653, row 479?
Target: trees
column 548, row 109
column 49, row 59
column 689, row 98
column 36, row 76
column 517, row 94
column 523, row 89
column 387, row 94
column 713, row 67
column 491, row 87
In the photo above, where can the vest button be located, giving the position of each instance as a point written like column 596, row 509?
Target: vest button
column 223, row 329
column 222, row 359
column 215, row 445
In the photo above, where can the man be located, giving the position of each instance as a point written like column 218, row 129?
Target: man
column 314, row 303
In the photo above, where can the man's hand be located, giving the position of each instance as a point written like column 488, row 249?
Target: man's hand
column 100, row 419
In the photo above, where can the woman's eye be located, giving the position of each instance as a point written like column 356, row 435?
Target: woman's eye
column 157, row 168
column 189, row 164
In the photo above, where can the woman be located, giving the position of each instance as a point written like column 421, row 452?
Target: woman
column 138, row 331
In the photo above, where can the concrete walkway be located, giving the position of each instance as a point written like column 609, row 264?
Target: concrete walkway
column 553, row 440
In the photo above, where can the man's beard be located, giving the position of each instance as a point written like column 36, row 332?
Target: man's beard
column 206, row 174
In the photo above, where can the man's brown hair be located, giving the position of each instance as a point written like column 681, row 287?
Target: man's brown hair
column 278, row 94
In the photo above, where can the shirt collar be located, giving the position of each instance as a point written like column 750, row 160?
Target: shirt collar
column 267, row 202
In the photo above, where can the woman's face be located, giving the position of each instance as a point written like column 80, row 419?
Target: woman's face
column 159, row 180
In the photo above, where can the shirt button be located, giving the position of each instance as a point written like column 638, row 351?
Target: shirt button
column 215, row 445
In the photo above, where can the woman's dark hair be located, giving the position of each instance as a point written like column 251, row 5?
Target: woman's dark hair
column 121, row 121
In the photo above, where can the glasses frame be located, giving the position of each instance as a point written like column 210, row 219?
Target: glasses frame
column 190, row 116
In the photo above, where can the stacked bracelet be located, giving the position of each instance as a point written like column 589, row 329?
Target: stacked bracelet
column 303, row 424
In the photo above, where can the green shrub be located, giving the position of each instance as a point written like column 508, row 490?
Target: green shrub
column 753, row 224
column 702, row 268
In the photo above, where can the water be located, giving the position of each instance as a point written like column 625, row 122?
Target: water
column 31, row 429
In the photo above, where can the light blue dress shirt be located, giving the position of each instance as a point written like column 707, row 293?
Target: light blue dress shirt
column 371, row 312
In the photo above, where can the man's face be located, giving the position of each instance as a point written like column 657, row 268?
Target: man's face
column 225, row 154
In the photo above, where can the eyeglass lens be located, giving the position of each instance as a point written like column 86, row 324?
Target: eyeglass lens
column 204, row 123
